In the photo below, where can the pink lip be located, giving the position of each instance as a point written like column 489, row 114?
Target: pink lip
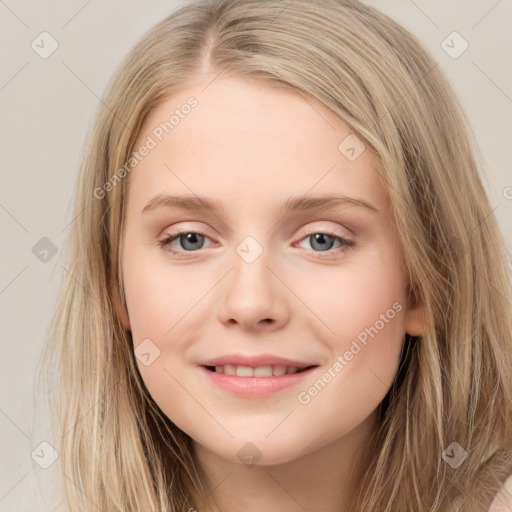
column 255, row 386
column 254, row 361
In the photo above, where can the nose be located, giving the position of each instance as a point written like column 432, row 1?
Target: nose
column 253, row 295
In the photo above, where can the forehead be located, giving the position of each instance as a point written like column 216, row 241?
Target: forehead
column 251, row 143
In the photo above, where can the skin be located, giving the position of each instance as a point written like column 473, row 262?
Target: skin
column 251, row 146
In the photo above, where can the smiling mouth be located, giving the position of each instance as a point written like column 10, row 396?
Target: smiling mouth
column 260, row 371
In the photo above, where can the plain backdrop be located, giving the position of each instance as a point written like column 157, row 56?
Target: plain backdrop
column 47, row 107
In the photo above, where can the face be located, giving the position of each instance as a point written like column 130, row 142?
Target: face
column 320, row 287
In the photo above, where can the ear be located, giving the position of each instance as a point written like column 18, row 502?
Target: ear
column 415, row 318
column 121, row 310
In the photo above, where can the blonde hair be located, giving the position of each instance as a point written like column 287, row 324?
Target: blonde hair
column 118, row 450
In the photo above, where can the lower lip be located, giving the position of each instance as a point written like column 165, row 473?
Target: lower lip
column 256, row 386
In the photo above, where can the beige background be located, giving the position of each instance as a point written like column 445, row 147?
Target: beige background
column 47, row 107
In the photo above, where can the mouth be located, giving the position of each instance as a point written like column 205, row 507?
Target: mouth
column 256, row 382
column 258, row 371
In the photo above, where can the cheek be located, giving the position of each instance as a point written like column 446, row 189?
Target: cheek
column 160, row 303
column 362, row 311
column 352, row 298
column 160, row 297
column 166, row 306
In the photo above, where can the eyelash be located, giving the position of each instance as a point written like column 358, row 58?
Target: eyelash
column 346, row 244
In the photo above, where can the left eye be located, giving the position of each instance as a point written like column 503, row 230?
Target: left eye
column 325, row 241
column 192, row 241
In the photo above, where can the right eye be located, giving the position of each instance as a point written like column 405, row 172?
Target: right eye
column 188, row 239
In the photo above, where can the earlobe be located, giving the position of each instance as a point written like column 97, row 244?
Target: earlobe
column 415, row 320
column 121, row 310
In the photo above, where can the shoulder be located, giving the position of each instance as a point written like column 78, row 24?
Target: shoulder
column 503, row 500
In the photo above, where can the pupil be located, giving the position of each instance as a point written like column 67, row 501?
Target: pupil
column 320, row 238
column 191, row 238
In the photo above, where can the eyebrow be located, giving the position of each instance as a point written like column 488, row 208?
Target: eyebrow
column 197, row 204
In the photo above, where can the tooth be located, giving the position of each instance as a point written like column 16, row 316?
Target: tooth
column 279, row 370
column 244, row 371
column 263, row 371
column 229, row 369
column 260, row 371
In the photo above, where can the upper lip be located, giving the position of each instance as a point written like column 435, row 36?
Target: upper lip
column 255, row 361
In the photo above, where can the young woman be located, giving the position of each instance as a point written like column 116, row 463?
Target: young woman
column 286, row 288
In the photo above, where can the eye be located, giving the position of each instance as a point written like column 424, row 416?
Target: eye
column 323, row 242
column 192, row 241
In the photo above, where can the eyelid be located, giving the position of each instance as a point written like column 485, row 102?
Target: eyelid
column 330, row 231
column 184, row 228
column 305, row 231
column 346, row 243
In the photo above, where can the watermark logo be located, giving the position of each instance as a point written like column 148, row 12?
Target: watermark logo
column 249, row 249
column 44, row 455
column 454, row 455
column 351, row 147
column 249, row 454
column 44, row 250
column 454, row 45
column 146, row 352
column 44, row 45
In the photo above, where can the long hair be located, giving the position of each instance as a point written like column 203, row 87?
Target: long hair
column 118, row 451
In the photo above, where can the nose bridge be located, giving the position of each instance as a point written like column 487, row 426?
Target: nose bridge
column 251, row 262
column 251, row 294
